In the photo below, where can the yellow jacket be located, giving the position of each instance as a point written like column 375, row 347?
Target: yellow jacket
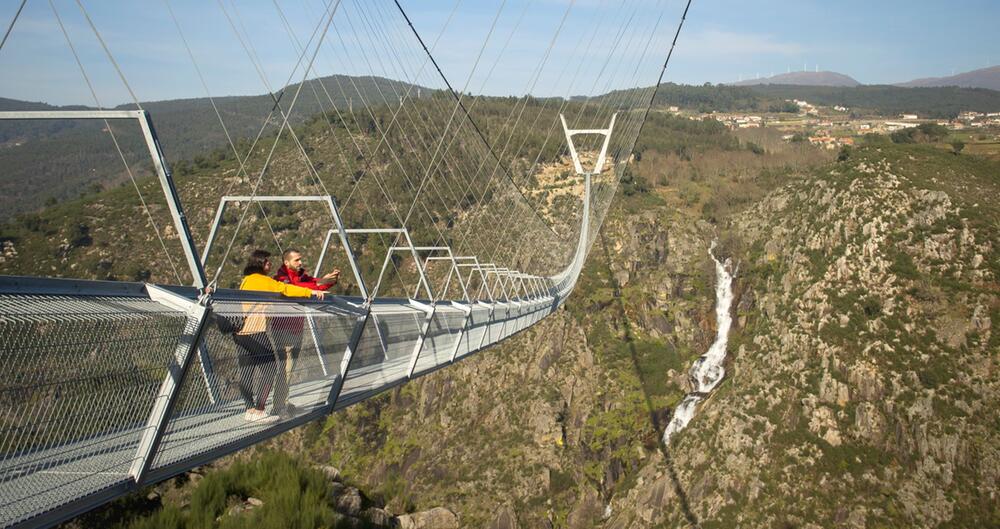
column 255, row 319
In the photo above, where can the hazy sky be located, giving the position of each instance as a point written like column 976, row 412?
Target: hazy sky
column 881, row 41
column 874, row 41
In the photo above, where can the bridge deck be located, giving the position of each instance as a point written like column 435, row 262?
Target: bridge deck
column 87, row 402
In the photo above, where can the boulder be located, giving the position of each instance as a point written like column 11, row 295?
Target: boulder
column 436, row 518
column 347, row 500
column 378, row 517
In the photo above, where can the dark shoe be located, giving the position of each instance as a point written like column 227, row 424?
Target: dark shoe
column 283, row 408
column 289, row 412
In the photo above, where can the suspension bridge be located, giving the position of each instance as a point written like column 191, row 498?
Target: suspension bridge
column 459, row 221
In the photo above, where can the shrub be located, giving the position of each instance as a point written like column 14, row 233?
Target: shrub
column 633, row 183
column 292, row 494
column 923, row 133
column 80, row 236
column 844, row 154
column 30, row 221
column 903, row 266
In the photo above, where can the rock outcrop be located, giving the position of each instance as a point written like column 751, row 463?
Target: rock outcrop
column 864, row 388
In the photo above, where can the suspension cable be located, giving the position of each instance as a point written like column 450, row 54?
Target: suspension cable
column 12, row 22
column 114, row 138
column 475, row 125
column 663, row 70
column 107, row 52
column 284, row 124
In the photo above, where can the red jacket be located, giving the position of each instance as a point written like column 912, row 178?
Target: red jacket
column 300, row 278
column 289, row 328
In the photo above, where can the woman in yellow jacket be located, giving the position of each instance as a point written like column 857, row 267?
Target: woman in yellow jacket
column 255, row 355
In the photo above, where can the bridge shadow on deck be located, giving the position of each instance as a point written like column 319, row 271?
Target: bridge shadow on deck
column 654, row 417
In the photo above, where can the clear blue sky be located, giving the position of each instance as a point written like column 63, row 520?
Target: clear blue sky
column 874, row 41
column 881, row 41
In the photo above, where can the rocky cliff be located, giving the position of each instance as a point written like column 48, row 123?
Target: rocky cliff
column 863, row 382
column 546, row 429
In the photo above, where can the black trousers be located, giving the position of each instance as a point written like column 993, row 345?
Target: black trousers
column 255, row 358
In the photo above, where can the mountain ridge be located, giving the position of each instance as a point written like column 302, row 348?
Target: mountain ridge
column 824, row 78
column 982, row 78
column 54, row 159
column 988, row 78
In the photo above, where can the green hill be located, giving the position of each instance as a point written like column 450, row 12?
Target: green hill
column 104, row 231
column 45, row 161
column 55, row 161
column 936, row 102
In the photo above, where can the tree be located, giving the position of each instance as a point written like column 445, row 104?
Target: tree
column 957, row 146
column 783, row 106
column 932, row 131
column 923, row 133
column 844, row 154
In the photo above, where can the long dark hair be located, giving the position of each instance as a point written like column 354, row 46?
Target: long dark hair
column 255, row 263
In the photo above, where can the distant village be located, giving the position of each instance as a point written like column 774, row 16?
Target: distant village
column 833, row 127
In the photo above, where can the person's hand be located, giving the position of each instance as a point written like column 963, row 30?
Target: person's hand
column 332, row 276
column 319, row 294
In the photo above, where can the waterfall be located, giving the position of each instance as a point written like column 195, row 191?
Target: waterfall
column 707, row 371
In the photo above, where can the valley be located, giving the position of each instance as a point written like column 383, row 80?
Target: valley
column 499, row 265
column 860, row 375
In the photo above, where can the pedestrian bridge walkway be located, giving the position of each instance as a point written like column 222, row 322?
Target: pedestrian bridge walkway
column 89, row 400
column 114, row 385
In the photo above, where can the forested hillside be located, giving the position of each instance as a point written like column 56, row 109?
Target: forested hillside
column 107, row 234
column 52, row 161
column 936, row 102
column 55, row 160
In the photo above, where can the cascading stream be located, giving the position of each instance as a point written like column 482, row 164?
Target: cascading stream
column 707, row 371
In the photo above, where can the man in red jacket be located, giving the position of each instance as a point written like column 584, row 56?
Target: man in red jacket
column 287, row 331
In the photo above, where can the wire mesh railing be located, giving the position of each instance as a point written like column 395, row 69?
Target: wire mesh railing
column 87, row 366
column 80, row 376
